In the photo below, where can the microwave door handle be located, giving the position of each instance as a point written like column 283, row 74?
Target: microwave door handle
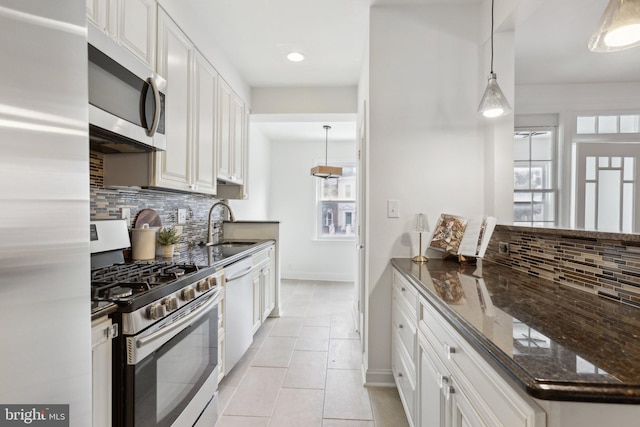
column 191, row 317
column 156, row 113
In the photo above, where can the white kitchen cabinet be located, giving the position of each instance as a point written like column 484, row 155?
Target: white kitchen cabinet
column 205, row 91
column 232, row 136
column 221, row 334
column 268, row 301
column 263, row 285
column 404, row 340
column 172, row 168
column 441, row 379
column 102, row 332
column 131, row 23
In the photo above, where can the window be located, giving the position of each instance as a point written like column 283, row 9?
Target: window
column 607, row 124
column 534, row 176
column 336, row 206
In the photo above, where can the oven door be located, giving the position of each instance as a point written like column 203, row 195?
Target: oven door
column 172, row 367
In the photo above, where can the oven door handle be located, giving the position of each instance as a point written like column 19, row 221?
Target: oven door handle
column 192, row 317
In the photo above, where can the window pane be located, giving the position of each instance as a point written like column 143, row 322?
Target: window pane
column 603, row 162
column 522, row 208
column 586, row 124
column 541, row 176
column 616, row 162
column 630, row 124
column 591, row 168
column 544, row 207
column 542, row 146
column 521, row 146
column 338, row 219
column 521, row 178
column 627, row 208
column 609, row 200
column 628, row 168
column 608, row 124
column 590, row 206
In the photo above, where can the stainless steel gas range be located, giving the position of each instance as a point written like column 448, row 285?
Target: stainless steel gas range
column 165, row 367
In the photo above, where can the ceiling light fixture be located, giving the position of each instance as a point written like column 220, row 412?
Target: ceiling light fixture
column 295, row 57
column 493, row 103
column 619, row 27
column 326, row 171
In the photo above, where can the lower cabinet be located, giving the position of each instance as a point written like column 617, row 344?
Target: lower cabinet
column 451, row 384
column 102, row 332
column 264, row 286
column 221, row 327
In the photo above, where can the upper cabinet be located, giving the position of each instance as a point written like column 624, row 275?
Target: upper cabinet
column 231, row 151
column 131, row 23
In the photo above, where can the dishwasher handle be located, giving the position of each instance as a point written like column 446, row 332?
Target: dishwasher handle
column 240, row 274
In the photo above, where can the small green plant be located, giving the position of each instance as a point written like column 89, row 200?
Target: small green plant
column 168, row 236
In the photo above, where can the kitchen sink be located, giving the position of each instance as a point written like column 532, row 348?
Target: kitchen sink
column 229, row 244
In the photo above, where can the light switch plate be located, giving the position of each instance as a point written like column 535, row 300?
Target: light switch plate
column 393, row 209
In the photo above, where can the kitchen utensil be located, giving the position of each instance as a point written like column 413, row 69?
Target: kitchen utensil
column 148, row 216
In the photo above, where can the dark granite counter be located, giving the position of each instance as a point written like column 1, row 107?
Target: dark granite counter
column 558, row 343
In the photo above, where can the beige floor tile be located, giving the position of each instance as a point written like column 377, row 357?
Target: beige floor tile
column 233, row 378
column 263, row 332
column 313, row 338
column 320, row 320
column 345, row 396
column 320, row 309
column 308, row 369
column 344, row 354
column 235, row 421
column 276, row 352
column 297, row 408
column 343, row 326
column 287, row 327
column 387, row 408
column 257, row 393
column 346, row 423
column 225, row 393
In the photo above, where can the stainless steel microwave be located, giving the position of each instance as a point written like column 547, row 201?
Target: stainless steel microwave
column 126, row 99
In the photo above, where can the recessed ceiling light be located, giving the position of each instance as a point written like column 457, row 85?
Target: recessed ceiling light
column 295, row 57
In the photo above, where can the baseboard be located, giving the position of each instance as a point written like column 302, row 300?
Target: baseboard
column 379, row 378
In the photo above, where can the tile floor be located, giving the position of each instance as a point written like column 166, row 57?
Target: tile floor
column 304, row 369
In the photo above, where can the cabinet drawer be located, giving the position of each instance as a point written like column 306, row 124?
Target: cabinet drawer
column 407, row 295
column 404, row 325
column 404, row 377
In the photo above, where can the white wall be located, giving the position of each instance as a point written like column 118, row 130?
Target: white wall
column 304, row 100
column 426, row 147
column 256, row 207
column 293, row 204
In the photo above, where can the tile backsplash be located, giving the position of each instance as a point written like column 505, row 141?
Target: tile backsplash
column 607, row 264
column 106, row 203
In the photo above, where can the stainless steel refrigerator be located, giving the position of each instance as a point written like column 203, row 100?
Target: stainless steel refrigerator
column 45, row 340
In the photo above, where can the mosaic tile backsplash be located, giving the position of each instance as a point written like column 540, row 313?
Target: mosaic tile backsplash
column 602, row 263
column 106, row 204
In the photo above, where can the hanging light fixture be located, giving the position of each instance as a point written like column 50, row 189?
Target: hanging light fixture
column 326, row 171
column 493, row 103
column 619, row 27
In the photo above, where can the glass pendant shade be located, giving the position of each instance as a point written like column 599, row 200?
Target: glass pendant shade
column 493, row 103
column 619, row 27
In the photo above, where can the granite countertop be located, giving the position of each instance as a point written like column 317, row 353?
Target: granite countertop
column 557, row 342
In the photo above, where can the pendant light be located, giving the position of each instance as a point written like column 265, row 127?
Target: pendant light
column 326, row 171
column 619, row 27
column 493, row 103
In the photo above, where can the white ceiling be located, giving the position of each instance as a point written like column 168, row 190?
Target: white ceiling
column 550, row 42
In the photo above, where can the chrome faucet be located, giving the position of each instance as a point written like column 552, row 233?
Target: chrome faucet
column 209, row 226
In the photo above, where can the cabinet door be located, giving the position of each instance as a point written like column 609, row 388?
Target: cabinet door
column 237, row 146
column 204, row 138
column 98, row 12
column 225, row 96
column 175, row 56
column 257, row 284
column 136, row 28
column 101, row 372
column 433, row 406
column 267, row 295
column 463, row 413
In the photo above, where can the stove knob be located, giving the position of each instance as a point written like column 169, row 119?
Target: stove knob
column 188, row 294
column 171, row 303
column 156, row 311
column 204, row 285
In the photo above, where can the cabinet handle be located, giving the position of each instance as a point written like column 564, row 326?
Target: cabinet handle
column 448, row 391
column 442, row 380
column 400, row 374
column 402, row 289
column 449, row 350
column 400, row 326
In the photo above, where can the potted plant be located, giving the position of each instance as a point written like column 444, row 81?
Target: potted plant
column 167, row 238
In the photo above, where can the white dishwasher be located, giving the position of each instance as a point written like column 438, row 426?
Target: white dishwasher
column 239, row 311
